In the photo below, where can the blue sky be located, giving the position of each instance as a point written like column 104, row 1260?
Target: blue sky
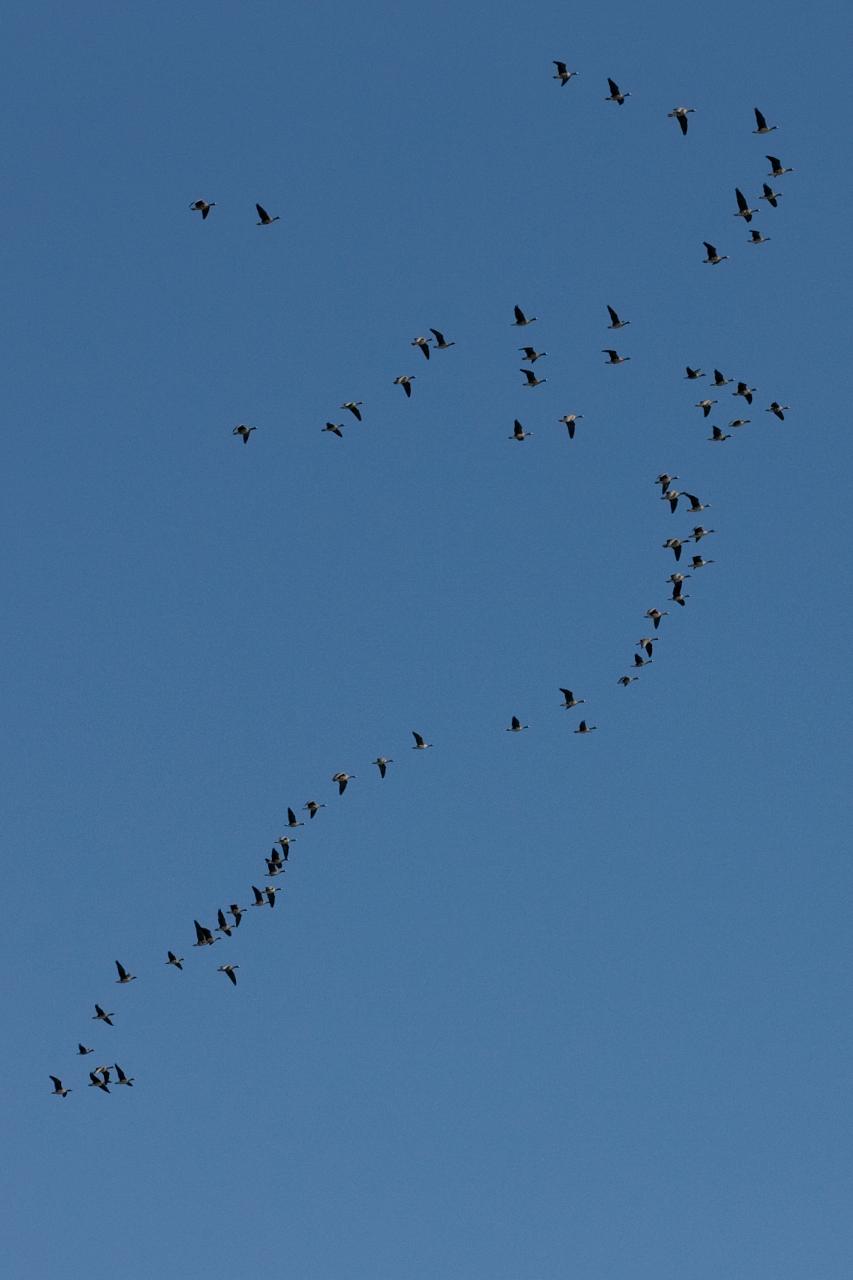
column 536, row 1005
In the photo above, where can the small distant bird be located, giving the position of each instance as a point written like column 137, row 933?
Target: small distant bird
column 569, row 699
column 222, row 925
column 100, row 1016
column 203, row 207
column 745, row 391
column 616, row 94
column 674, row 545
column 613, row 357
column 531, row 355
column 334, row 428
column 583, row 727
column 626, row 680
column 271, row 890
column 518, row 432
column 237, row 913
column 244, row 432
column 671, row 496
column 713, row 257
column 655, row 615
column 693, row 374
column 571, row 420
column 777, row 170
column 763, row 126
column 123, row 975
column 706, row 406
column 285, row 842
column 122, row 1078
column 740, row 422
column 521, row 318
column 229, row 970
column 515, row 725
column 718, row 435
column 696, row 562
column 699, row 533
column 82, row 1050
column 615, row 322
column 177, row 962
column 405, row 381
column 743, row 209
column 665, row 480
column 441, row 343
column 260, row 898
column 382, row 763
column 420, row 745
column 58, row 1089
column 678, row 592
column 313, row 808
column 720, row 380
column 423, row 343
column 757, row 238
column 354, row 407
column 695, row 505
column 204, row 938
column 778, row 409
column 292, row 820
column 678, row 577
column 98, row 1082
column 772, row 197
column 563, row 73
column 265, row 219
column 639, row 660
column 275, row 863
column 532, row 380
column 647, row 643
column 680, row 114
column 342, row 779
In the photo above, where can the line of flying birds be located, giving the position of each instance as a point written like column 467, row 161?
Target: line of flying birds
column 101, row 1077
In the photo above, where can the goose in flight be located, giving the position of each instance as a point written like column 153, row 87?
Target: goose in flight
column 237, row 913
column 100, row 1016
column 58, row 1089
column 639, row 660
column 382, row 763
column 260, row 898
column 569, row 699
column 763, row 126
column 122, row 1078
column 564, row 75
column 292, row 820
column 695, row 505
column 313, row 808
column 520, row 318
column 706, row 406
column 334, row 428
column 615, row 322
column 532, row 380
column 177, row 962
column 692, row 374
column 655, row 615
column 778, row 409
column 203, row 207
column 740, row 422
column 757, row 238
column 745, row 391
column 441, row 343
column 699, row 533
column 423, row 343
column 696, row 562
column 123, row 975
column 626, row 680
column 665, row 480
column 777, row 169
column 82, row 1050
column 515, row 725
column 229, row 970
column 720, row 379
column 674, row 545
column 405, row 381
column 743, row 209
column 647, row 643
column 420, row 745
column 570, row 420
column 204, row 938
column 222, row 925
column 271, row 890
column 772, row 197
column 583, row 727
column 713, row 257
column 99, row 1082
column 265, row 219
column 616, row 94
column 342, row 779
column 680, row 114
column 518, row 432
column 718, row 435
column 243, row 432
column 354, row 407
column 531, row 355
column 284, row 843
column 671, row 496
column 275, row 863
column 613, row 357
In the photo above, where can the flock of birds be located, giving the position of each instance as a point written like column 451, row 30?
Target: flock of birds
column 229, row 918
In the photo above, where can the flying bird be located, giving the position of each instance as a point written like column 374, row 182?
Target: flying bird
column 229, row 970
column 98, row 1082
column 334, row 428
column 713, row 257
column 680, row 114
column 699, row 533
column 695, row 505
column 222, row 925
column 531, row 355
column 655, row 615
column 583, row 727
column 203, row 207
column 420, row 745
column 626, row 680
column 777, row 169
column 757, row 238
column 745, row 391
column 244, row 432
column 123, row 975
column 763, row 126
column 100, row 1016
column 674, row 545
column 696, row 562
column 720, row 380
column 382, row 763
column 265, row 219
column 354, row 407
column 313, row 808
column 177, row 962
column 569, row 699
column 743, row 209
column 521, row 318
column 423, row 343
column 237, row 913
column 615, row 322
column 82, row 1050
column 518, row 432
column 204, row 938
column 515, row 725
column 441, row 343
column 563, row 73
column 342, row 779
column 639, row 660
column 58, row 1090
column 616, row 95
column 570, row 420
column 532, row 380
column 772, row 197
column 613, row 357
column 260, row 898
column 706, row 406
column 292, row 820
column 122, row 1078
column 405, row 381
column 665, row 480
column 778, row 409
column 718, row 435
column 692, row 374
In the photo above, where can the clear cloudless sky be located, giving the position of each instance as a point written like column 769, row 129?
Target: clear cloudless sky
column 537, row 1005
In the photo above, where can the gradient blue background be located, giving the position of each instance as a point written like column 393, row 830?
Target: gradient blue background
column 536, row 1006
